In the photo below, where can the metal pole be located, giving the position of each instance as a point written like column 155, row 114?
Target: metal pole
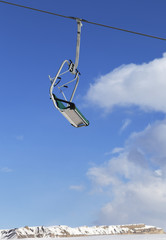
column 79, row 25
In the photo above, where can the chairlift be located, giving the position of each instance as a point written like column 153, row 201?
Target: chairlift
column 65, row 104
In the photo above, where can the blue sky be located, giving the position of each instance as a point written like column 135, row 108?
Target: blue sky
column 111, row 172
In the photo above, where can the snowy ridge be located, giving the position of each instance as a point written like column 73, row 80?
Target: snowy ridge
column 65, row 231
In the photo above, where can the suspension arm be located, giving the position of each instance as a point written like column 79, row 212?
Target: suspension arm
column 79, row 25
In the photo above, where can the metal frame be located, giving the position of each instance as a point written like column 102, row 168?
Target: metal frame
column 72, row 68
column 54, row 83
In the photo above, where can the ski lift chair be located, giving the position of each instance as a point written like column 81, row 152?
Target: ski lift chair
column 64, row 105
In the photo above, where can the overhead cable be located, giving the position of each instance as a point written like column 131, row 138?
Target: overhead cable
column 84, row 20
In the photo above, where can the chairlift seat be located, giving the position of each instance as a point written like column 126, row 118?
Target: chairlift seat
column 71, row 113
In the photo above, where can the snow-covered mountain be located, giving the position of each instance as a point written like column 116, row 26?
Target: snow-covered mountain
column 65, row 231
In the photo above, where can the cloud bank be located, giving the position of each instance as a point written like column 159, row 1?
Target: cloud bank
column 134, row 179
column 139, row 85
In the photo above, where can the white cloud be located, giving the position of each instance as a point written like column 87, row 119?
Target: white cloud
column 115, row 151
column 139, row 85
column 126, row 123
column 135, row 180
column 158, row 172
column 152, row 142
